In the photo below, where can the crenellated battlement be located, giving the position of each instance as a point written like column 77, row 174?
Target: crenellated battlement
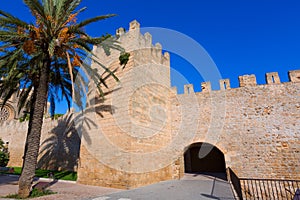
column 244, row 81
column 139, row 45
column 294, row 76
column 144, row 51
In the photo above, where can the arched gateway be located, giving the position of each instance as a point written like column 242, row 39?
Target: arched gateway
column 204, row 158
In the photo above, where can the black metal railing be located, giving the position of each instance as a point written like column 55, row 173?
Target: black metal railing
column 264, row 189
column 235, row 182
column 269, row 189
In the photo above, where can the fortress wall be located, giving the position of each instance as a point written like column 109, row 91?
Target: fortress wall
column 255, row 126
column 241, row 122
column 60, row 143
column 14, row 132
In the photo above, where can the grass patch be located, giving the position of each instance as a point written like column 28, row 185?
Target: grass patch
column 61, row 175
column 37, row 193
column 33, row 194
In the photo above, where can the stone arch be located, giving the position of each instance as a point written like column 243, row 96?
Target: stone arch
column 203, row 157
column 7, row 112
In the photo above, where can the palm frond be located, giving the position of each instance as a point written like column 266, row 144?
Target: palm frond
column 12, row 20
column 35, row 7
column 94, row 19
column 70, row 6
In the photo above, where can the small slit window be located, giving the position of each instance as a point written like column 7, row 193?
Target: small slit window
column 273, row 79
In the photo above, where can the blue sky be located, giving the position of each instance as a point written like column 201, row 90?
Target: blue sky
column 241, row 36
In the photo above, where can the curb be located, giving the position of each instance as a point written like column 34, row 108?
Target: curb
column 42, row 179
column 57, row 180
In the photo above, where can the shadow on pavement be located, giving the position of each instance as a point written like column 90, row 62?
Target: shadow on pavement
column 212, row 175
column 210, row 196
column 13, row 180
column 8, row 179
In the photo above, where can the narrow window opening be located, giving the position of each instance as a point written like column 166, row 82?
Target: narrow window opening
column 273, row 79
column 225, row 86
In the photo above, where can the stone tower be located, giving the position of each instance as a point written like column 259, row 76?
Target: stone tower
column 133, row 123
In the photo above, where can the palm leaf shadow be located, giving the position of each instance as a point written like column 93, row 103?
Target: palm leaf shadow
column 61, row 149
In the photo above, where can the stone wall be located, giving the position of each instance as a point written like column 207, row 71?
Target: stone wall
column 60, row 143
column 141, row 136
column 255, row 126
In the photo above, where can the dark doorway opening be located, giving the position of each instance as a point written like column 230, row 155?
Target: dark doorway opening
column 204, row 158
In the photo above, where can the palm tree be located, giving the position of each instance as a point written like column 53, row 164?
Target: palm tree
column 43, row 58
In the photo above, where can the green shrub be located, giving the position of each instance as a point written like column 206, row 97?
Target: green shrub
column 56, row 116
column 4, row 154
column 38, row 193
column 25, row 117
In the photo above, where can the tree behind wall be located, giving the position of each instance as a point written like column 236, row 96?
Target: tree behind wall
column 4, row 154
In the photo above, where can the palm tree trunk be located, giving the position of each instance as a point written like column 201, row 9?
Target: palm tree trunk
column 34, row 131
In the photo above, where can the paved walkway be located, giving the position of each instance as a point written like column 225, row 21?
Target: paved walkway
column 65, row 189
column 191, row 187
